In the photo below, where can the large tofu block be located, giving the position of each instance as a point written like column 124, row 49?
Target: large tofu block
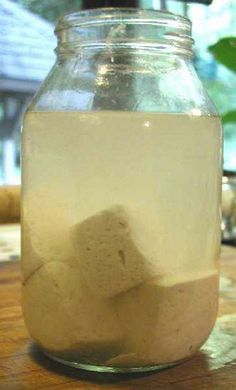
column 114, row 251
column 168, row 319
column 61, row 314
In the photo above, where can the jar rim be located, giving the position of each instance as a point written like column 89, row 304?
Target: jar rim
column 129, row 15
column 126, row 27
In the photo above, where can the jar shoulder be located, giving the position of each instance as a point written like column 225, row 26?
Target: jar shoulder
column 153, row 84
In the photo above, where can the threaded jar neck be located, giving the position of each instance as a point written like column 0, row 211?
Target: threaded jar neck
column 124, row 28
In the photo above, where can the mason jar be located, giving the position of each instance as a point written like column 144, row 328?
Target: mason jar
column 121, row 195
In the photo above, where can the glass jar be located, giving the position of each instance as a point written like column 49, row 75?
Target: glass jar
column 121, row 194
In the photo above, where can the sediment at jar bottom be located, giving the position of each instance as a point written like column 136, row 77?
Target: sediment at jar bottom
column 158, row 324
column 117, row 310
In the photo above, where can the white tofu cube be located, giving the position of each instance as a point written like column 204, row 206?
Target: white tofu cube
column 114, row 251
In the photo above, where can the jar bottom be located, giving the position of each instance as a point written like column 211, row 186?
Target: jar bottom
column 111, row 370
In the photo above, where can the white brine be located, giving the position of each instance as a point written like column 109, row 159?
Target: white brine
column 121, row 234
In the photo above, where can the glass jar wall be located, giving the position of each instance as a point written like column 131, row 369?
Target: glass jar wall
column 121, row 192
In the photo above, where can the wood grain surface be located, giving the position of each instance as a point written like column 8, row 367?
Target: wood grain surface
column 24, row 367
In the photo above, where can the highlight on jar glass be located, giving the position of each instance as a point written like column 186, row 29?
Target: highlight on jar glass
column 121, row 195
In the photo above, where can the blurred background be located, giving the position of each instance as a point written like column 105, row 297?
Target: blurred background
column 27, row 45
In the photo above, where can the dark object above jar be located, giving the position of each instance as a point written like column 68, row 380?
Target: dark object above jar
column 87, row 4
column 207, row 2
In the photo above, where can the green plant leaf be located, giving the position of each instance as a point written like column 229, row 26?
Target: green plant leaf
column 229, row 117
column 224, row 52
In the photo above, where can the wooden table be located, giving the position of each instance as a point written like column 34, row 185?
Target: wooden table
column 23, row 366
